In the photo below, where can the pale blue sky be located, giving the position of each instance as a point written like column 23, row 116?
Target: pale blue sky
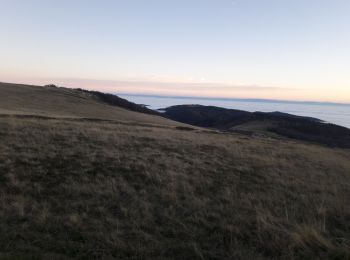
column 284, row 49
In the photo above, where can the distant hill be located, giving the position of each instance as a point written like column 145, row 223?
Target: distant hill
column 283, row 124
column 52, row 101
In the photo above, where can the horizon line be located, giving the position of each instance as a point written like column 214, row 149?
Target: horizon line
column 306, row 102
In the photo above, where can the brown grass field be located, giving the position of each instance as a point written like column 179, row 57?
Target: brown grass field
column 84, row 180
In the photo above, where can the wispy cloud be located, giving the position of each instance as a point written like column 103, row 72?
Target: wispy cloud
column 166, row 87
column 170, row 88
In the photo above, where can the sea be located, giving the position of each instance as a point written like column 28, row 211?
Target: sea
column 329, row 112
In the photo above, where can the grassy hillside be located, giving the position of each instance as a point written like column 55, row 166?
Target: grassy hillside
column 64, row 102
column 76, row 186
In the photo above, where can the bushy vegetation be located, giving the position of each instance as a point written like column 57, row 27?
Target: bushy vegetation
column 114, row 100
column 208, row 116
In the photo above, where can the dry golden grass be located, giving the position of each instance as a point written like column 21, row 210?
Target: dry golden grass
column 77, row 188
column 64, row 102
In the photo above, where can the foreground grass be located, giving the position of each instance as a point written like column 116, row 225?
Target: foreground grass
column 82, row 189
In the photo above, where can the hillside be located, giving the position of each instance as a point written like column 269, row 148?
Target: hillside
column 83, row 179
column 74, row 103
column 276, row 123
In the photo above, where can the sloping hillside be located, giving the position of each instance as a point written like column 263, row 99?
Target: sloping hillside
column 64, row 102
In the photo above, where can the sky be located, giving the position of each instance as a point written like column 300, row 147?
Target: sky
column 271, row 49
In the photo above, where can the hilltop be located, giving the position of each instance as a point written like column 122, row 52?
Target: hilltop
column 83, row 178
column 52, row 101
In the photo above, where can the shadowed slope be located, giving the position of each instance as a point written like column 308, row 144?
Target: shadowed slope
column 282, row 124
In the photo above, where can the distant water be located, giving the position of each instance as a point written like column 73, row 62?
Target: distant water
column 333, row 113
